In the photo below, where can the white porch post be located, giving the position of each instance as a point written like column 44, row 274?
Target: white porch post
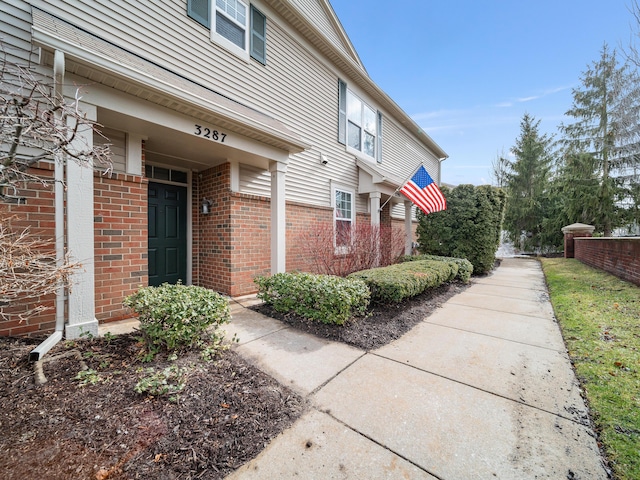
column 80, row 238
column 408, row 244
column 278, row 217
column 374, row 207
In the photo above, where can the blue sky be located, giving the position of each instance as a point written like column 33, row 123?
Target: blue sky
column 467, row 70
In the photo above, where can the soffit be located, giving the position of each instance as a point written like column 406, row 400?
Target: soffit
column 102, row 62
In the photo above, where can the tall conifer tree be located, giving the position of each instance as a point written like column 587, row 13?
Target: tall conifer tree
column 606, row 111
column 526, row 184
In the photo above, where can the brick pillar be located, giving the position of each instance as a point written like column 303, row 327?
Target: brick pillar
column 575, row 230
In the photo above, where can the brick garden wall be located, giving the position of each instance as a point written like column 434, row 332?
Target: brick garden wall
column 618, row 256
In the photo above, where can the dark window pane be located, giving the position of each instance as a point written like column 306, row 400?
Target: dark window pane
column 178, row 176
column 343, row 233
column 353, row 134
column 229, row 30
column 160, row 173
column 199, row 11
column 369, row 144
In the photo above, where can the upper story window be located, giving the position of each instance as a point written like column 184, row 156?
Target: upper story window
column 359, row 125
column 236, row 25
column 231, row 21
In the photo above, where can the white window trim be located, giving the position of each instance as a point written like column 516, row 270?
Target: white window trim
column 360, row 153
column 341, row 250
column 223, row 41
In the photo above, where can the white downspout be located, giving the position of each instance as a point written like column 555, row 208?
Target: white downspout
column 58, row 82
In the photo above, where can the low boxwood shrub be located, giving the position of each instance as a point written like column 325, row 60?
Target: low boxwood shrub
column 465, row 268
column 177, row 316
column 397, row 282
column 324, row 298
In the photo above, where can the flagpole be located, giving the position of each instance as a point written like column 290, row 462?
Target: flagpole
column 401, row 185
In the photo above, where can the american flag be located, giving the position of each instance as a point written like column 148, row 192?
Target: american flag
column 424, row 192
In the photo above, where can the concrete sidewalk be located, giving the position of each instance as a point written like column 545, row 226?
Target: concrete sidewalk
column 481, row 389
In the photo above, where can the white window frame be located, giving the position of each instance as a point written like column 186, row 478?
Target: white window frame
column 205, row 12
column 224, row 41
column 335, row 189
column 346, row 98
column 361, row 110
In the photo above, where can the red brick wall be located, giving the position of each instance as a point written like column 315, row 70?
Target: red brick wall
column 618, row 256
column 120, row 229
column 212, row 233
column 120, row 221
column 301, row 221
column 251, row 241
column 232, row 245
column 38, row 215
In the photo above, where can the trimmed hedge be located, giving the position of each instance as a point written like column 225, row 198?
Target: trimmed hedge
column 324, row 298
column 469, row 227
column 465, row 268
column 397, row 282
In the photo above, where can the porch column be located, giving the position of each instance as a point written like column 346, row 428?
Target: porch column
column 408, row 231
column 575, row 230
column 80, row 237
column 278, row 217
column 374, row 207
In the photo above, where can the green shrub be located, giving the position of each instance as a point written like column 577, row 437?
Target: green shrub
column 324, row 298
column 469, row 227
column 395, row 283
column 177, row 316
column 465, row 268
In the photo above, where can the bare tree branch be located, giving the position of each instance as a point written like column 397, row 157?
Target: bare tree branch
column 36, row 126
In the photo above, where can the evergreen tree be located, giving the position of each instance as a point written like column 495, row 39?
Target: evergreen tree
column 606, row 113
column 527, row 180
column 469, row 227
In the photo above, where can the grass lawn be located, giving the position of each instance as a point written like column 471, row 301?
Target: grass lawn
column 599, row 315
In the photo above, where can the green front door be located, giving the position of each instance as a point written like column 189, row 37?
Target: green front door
column 167, row 233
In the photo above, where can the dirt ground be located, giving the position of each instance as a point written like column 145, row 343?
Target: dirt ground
column 99, row 428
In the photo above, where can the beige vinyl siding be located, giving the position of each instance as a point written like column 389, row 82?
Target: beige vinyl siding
column 316, row 13
column 397, row 211
column 15, row 18
column 254, row 181
column 402, row 154
column 118, row 145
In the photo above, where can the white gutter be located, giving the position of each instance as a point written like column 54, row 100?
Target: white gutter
column 58, row 81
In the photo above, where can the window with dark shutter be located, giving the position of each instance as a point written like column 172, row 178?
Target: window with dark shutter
column 379, row 139
column 199, row 11
column 342, row 112
column 258, row 36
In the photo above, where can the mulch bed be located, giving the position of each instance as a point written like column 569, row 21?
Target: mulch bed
column 384, row 323
column 226, row 414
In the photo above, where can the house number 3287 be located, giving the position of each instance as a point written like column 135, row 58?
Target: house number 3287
column 211, row 134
